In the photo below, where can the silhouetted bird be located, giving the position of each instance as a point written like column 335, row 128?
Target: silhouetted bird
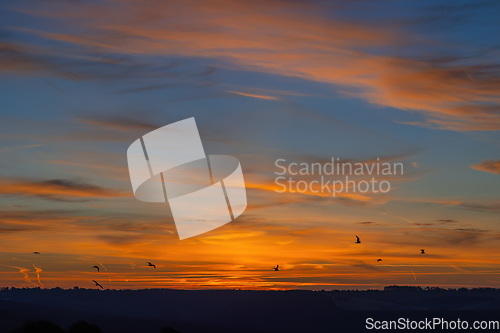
column 36, row 252
column 422, row 251
column 379, row 260
column 277, row 268
column 97, row 284
column 150, row 264
column 357, row 240
column 96, row 267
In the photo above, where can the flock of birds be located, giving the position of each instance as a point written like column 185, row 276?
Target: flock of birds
column 97, row 267
column 277, row 268
column 358, row 241
column 100, row 286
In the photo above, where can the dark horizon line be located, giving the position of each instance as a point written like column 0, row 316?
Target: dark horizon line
column 390, row 288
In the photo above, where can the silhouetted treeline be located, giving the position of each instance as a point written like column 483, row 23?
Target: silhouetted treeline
column 43, row 326
column 417, row 288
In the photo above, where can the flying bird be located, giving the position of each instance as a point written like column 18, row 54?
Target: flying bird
column 277, row 268
column 422, row 251
column 150, row 264
column 36, row 252
column 97, row 284
column 96, row 267
column 357, row 240
column 379, row 260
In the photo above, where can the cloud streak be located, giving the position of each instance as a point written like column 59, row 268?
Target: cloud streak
column 254, row 95
column 3, row 150
column 300, row 42
column 57, row 190
column 492, row 166
column 24, row 272
column 120, row 124
column 38, row 271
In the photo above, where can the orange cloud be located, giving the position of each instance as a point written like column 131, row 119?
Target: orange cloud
column 24, row 272
column 300, row 42
column 119, row 124
column 57, row 190
column 254, row 95
column 273, row 187
column 492, row 166
column 38, row 271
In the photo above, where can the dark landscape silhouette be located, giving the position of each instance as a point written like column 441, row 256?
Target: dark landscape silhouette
column 81, row 310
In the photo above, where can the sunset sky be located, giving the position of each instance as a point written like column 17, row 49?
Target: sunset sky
column 415, row 82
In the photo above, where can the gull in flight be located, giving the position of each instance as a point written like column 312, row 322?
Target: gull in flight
column 151, row 265
column 379, row 260
column 96, row 267
column 97, row 284
column 422, row 251
column 357, row 240
column 36, row 252
column 277, row 268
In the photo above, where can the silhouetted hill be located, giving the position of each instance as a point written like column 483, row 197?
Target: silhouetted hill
column 238, row 311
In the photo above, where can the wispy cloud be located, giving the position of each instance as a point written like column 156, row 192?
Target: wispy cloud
column 491, row 206
column 57, row 190
column 24, row 272
column 38, row 271
column 253, row 95
column 492, row 166
column 447, row 221
column 450, row 93
column 120, row 124
column 28, row 60
column 101, row 265
column 6, row 149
